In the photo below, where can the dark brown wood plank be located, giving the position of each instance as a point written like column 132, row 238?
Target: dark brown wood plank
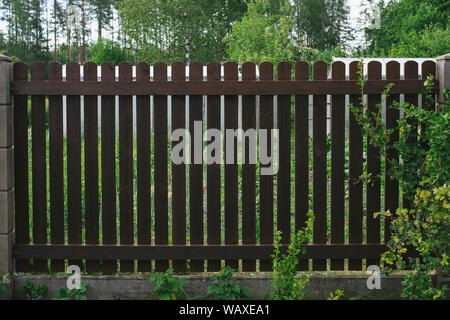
column 161, row 173
column 108, row 131
column 56, row 166
column 411, row 73
column 91, row 165
column 284, row 171
column 213, row 170
column 355, row 185
column 21, row 188
column 126, row 166
column 212, row 252
column 144, row 193
column 337, row 165
column 249, row 168
column 196, row 166
column 73, row 117
column 391, row 186
column 428, row 69
column 301, row 156
column 266, row 122
column 39, row 166
column 179, row 170
column 319, row 87
column 231, row 170
column 373, row 169
column 320, row 165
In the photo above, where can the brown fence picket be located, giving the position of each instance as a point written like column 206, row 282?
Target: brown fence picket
column 213, row 170
column 320, row 165
column 301, row 156
column 284, row 172
column 39, row 166
column 391, row 188
column 91, row 165
column 143, row 141
column 161, row 169
column 231, row 170
column 337, row 165
column 355, row 185
column 73, row 117
column 411, row 73
column 248, row 169
column 196, row 167
column 126, row 166
column 56, row 166
column 22, row 203
column 179, row 170
column 373, row 168
column 266, row 122
column 108, row 145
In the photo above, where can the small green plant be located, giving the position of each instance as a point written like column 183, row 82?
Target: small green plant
column 167, row 287
column 337, row 295
column 2, row 283
column 72, row 294
column 226, row 288
column 287, row 284
column 34, row 292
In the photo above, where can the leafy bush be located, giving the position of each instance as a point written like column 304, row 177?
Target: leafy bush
column 167, row 287
column 73, row 294
column 287, row 285
column 226, row 288
column 107, row 51
column 337, row 295
column 34, row 292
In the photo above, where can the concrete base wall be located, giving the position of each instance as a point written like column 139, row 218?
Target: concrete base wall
column 140, row 288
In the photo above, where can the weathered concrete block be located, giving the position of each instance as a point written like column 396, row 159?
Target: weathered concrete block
column 6, row 76
column 6, row 260
column 6, row 169
column 6, row 126
column 6, row 211
column 443, row 76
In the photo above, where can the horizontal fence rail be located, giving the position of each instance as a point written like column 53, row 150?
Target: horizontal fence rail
column 108, row 197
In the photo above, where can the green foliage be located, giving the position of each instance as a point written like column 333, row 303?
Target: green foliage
column 167, row 287
column 287, row 285
column 261, row 36
column 72, row 294
column 2, row 284
column 430, row 42
column 34, row 292
column 107, row 51
column 226, row 288
column 426, row 228
column 337, row 295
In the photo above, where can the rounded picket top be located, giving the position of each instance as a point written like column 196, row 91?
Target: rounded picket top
column 411, row 70
column 142, row 71
column 266, row 70
column 301, row 70
column 428, row 68
column 248, row 71
column 37, row 71
column 354, row 70
column 196, row 71
column 55, row 71
column 393, row 70
column 374, row 70
column 90, row 71
column 160, row 71
column 20, row 71
column 338, row 70
column 73, row 71
column 320, row 70
column 231, row 71
column 178, row 71
column 213, row 71
column 284, row 70
column 108, row 71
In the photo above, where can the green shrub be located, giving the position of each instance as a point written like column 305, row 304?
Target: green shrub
column 287, row 285
column 34, row 292
column 226, row 288
column 73, row 294
column 167, row 287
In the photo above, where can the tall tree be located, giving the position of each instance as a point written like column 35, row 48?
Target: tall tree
column 103, row 12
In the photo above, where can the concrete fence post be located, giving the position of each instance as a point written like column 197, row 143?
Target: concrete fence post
column 6, row 167
column 443, row 76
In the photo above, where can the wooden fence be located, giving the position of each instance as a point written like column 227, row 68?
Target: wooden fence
column 92, row 201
